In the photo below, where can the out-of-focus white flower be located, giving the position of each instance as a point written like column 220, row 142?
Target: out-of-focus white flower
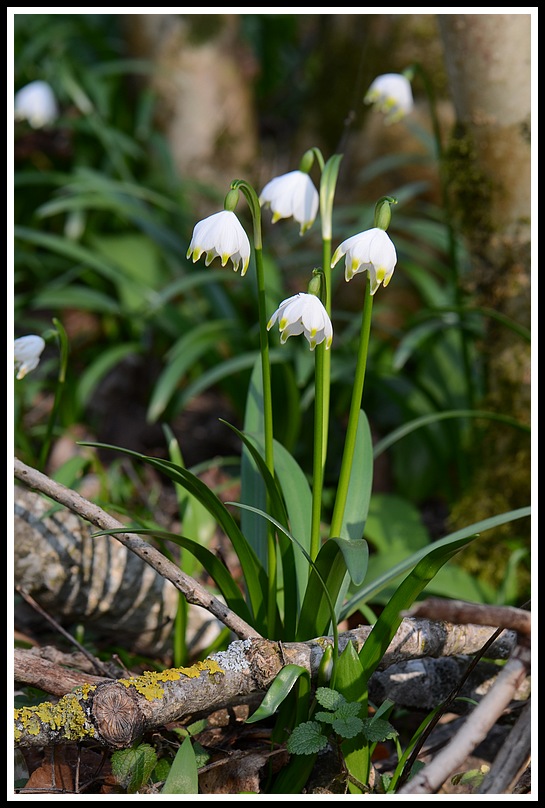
column 392, row 94
column 36, row 103
column 303, row 313
column 221, row 235
column 371, row 251
column 292, row 194
column 27, row 354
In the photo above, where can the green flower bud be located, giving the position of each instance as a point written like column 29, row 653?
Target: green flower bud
column 231, row 200
column 383, row 213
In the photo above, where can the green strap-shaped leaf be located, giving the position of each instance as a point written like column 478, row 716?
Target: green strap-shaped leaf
column 390, row 618
column 329, row 570
column 361, row 482
column 252, row 484
column 183, row 777
column 298, row 499
column 278, row 691
column 278, row 511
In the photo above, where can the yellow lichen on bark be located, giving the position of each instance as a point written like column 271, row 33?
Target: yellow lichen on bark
column 148, row 684
column 67, row 716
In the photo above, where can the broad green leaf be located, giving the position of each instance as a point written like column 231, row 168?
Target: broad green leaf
column 277, row 692
column 347, row 726
column 140, row 259
column 394, row 525
column 253, row 489
column 349, row 679
column 298, row 499
column 360, row 484
column 183, row 777
column 356, row 557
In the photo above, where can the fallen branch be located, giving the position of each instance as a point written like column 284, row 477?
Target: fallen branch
column 472, row 733
column 118, row 712
column 191, row 589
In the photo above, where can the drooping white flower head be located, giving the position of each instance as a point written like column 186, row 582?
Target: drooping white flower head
column 392, row 94
column 371, row 251
column 303, row 313
column 292, row 194
column 36, row 103
column 27, row 353
column 221, row 235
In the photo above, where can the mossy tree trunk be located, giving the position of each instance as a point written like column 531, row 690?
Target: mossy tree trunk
column 487, row 57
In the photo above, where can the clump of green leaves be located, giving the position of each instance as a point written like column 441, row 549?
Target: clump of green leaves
column 339, row 720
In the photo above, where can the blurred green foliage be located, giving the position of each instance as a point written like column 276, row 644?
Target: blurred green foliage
column 102, row 223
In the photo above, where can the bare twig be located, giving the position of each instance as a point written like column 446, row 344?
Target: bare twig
column 482, row 614
column 474, row 730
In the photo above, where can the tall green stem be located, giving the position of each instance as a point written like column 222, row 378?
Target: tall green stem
column 355, row 405
column 318, row 466
column 62, row 338
column 255, row 209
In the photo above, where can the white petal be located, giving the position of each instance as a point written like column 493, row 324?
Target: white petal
column 36, row 103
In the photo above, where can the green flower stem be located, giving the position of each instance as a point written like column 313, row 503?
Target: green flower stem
column 328, row 182
column 319, row 450
column 268, row 429
column 326, row 371
column 353, row 417
column 62, row 338
column 255, row 209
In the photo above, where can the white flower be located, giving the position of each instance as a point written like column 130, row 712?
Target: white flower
column 292, row 194
column 392, row 94
column 27, row 354
column 36, row 103
column 303, row 314
column 371, row 251
column 222, row 235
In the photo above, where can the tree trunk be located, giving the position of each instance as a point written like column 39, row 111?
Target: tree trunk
column 204, row 96
column 487, row 57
